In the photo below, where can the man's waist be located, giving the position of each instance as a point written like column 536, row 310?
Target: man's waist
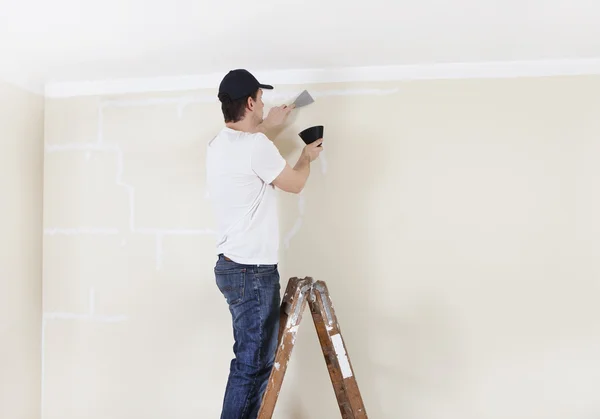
column 248, row 261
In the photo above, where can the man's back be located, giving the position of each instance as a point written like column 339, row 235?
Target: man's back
column 240, row 169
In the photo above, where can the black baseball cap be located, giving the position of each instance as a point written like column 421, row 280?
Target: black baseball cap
column 239, row 83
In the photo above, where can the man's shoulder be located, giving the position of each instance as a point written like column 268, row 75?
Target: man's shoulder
column 255, row 136
column 227, row 135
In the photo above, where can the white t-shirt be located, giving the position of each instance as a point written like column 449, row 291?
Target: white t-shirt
column 240, row 168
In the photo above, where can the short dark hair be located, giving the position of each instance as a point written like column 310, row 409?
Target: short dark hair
column 234, row 110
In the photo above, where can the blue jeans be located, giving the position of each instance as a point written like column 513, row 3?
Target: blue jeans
column 252, row 293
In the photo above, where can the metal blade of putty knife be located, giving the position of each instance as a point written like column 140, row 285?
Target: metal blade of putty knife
column 303, row 99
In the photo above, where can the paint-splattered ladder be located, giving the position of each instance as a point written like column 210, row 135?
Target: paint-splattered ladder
column 298, row 293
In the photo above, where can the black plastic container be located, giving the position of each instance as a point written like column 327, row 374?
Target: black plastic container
column 312, row 134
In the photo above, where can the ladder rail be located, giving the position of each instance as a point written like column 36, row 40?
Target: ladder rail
column 300, row 293
column 290, row 315
column 335, row 353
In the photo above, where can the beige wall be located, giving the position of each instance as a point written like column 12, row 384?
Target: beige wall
column 456, row 223
column 21, row 160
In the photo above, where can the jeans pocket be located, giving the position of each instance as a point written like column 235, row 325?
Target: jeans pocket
column 232, row 285
column 268, row 276
column 267, row 270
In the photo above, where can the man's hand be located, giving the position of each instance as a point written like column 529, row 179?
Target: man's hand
column 277, row 116
column 312, row 150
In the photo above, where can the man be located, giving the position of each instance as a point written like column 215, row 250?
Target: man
column 243, row 169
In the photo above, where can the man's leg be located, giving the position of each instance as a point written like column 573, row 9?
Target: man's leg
column 268, row 287
column 253, row 295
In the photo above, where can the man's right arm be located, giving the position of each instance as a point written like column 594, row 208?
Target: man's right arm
column 294, row 179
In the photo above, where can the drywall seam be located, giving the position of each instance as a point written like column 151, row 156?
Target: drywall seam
column 270, row 97
column 159, row 233
column 323, row 162
column 100, row 146
column 298, row 223
column 181, row 102
column 473, row 70
column 99, row 231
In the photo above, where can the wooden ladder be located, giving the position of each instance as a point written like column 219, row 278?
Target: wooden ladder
column 298, row 293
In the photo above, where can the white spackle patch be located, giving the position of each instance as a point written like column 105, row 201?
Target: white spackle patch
column 323, row 161
column 295, row 229
column 99, row 231
column 298, row 223
column 340, row 351
column 277, row 366
column 301, row 204
column 355, row 92
column 329, row 328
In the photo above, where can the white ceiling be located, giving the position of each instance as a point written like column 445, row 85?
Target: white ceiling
column 69, row 40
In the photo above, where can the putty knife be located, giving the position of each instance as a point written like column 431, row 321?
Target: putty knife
column 304, row 99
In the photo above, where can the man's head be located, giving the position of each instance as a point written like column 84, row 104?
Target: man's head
column 241, row 96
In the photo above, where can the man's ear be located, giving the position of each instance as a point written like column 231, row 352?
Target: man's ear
column 250, row 103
